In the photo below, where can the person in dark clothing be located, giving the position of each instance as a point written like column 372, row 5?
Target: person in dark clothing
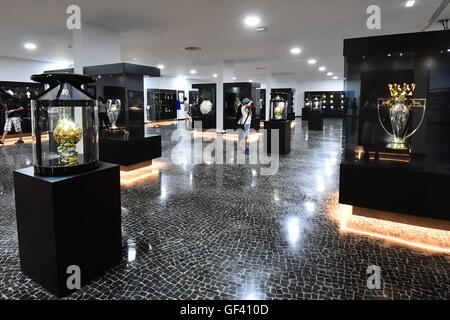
column 12, row 118
column 102, row 113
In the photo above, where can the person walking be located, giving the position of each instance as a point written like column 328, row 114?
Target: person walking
column 187, row 110
column 102, row 113
column 244, row 123
column 12, row 118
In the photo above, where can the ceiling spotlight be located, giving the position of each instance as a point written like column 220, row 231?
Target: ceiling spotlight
column 250, row 80
column 193, row 71
column 312, row 61
column 252, row 21
column 215, row 75
column 448, row 50
column 296, row 51
column 410, row 3
column 160, row 66
column 234, row 78
column 30, row 46
column 322, row 68
column 330, row 74
column 335, row 77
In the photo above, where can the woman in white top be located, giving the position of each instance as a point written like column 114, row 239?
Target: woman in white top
column 187, row 110
column 245, row 122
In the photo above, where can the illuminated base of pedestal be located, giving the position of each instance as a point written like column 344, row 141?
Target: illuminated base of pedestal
column 131, row 175
column 396, row 229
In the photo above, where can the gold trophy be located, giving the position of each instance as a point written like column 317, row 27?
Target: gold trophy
column 400, row 105
column 67, row 134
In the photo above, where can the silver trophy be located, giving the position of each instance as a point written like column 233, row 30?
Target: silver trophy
column 398, row 109
column 113, row 109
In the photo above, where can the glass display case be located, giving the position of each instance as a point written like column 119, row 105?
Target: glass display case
column 316, row 104
column 278, row 108
column 65, row 126
column 207, row 104
column 288, row 95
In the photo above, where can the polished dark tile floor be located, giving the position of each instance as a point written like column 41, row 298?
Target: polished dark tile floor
column 227, row 232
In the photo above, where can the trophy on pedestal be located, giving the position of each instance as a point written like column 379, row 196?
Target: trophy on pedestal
column 397, row 109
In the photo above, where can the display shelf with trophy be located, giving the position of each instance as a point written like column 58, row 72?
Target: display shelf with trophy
column 288, row 95
column 234, row 93
column 122, row 86
column 206, row 104
column 65, row 230
column 163, row 104
column 315, row 119
column 334, row 103
column 396, row 156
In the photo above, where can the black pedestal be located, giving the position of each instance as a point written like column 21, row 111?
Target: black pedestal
column 315, row 121
column 129, row 151
column 284, row 129
column 66, row 221
column 417, row 188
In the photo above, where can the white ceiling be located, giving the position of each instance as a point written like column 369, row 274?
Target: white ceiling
column 156, row 31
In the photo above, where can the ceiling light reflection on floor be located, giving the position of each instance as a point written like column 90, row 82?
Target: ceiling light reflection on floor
column 293, row 226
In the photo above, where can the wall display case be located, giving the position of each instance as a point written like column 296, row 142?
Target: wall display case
column 23, row 93
column 207, row 104
column 162, row 104
column 335, row 104
column 262, row 104
column 234, row 93
column 288, row 95
column 396, row 156
column 65, row 126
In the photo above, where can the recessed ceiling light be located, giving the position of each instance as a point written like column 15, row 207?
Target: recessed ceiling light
column 312, row 61
column 335, row 77
column 410, row 3
column 330, row 74
column 234, row 78
column 161, row 66
column 215, row 75
column 296, row 50
column 193, row 71
column 30, row 46
column 448, row 50
column 250, row 80
column 322, row 68
column 252, row 21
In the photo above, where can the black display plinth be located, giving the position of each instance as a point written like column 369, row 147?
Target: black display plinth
column 284, row 129
column 127, row 151
column 68, row 221
column 417, row 188
column 315, row 121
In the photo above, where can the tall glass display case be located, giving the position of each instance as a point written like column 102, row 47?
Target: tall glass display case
column 65, row 126
column 278, row 108
column 288, row 95
column 207, row 104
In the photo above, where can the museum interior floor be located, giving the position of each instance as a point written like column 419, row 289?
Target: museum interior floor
column 227, row 232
